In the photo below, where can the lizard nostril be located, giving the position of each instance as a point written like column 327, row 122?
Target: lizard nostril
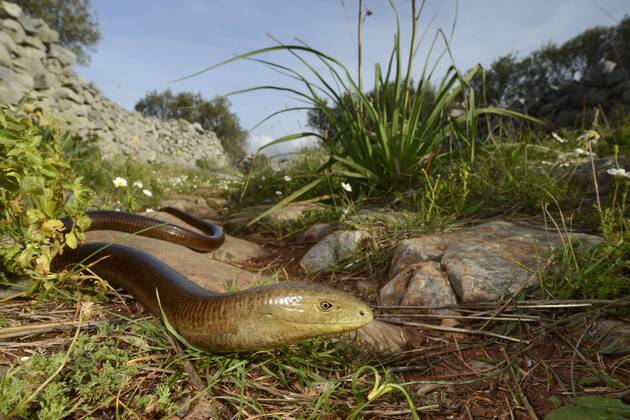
column 361, row 313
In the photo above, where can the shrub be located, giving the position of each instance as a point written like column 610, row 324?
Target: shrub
column 37, row 187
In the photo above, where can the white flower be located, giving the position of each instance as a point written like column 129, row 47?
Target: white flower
column 264, row 177
column 618, row 173
column 546, row 162
column 147, row 193
column 137, row 184
column 581, row 152
column 558, row 138
column 120, row 182
column 149, row 210
column 278, row 192
column 287, row 178
column 346, row 186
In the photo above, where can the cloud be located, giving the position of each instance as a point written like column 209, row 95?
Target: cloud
column 255, row 142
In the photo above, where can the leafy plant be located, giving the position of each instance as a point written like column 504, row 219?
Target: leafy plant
column 382, row 140
column 38, row 186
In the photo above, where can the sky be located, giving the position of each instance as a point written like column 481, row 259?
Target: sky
column 146, row 44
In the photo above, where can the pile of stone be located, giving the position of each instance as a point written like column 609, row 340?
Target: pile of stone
column 606, row 85
column 33, row 63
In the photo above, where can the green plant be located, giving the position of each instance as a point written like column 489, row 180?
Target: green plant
column 379, row 146
column 35, row 180
column 214, row 115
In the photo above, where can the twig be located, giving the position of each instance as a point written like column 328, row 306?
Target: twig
column 456, row 330
column 516, row 293
column 22, row 330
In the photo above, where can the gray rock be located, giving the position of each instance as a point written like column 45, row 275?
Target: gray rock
column 34, row 42
column 315, row 233
column 621, row 88
column 5, row 56
column 43, row 81
column 14, row 29
column 415, row 250
column 596, row 96
column 65, row 93
column 567, row 117
column 617, row 76
column 380, row 337
column 65, row 56
column 481, row 263
column 420, row 284
column 29, row 66
column 12, row 93
column 7, row 41
column 10, row 9
column 332, row 249
column 482, row 269
column 547, row 109
column 577, row 98
column 29, row 24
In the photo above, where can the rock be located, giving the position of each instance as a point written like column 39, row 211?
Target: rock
column 626, row 97
column 411, row 251
column 65, row 56
column 7, row 41
column 14, row 30
column 596, row 96
column 617, row 76
column 10, row 9
column 566, row 117
column 621, row 88
column 30, row 50
column 577, row 98
column 199, row 267
column 482, row 269
column 330, row 250
column 483, row 262
column 381, row 337
column 420, row 284
column 315, row 233
column 292, row 213
column 5, row 57
column 547, row 109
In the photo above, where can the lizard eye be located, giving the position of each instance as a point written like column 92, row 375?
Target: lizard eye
column 325, row 306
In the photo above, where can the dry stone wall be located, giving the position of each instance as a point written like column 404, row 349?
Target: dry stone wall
column 605, row 86
column 33, row 63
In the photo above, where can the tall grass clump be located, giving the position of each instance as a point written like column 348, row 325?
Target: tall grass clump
column 381, row 141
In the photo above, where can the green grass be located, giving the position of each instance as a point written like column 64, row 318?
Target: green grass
column 131, row 369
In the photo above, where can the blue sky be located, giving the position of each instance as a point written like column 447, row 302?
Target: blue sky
column 146, row 43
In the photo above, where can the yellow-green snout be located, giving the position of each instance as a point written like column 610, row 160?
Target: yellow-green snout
column 299, row 311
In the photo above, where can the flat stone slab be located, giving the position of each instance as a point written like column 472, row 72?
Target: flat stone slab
column 482, row 262
column 210, row 270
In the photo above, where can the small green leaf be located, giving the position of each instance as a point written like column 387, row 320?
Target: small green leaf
column 71, row 240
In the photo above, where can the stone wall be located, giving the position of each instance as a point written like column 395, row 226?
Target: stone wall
column 33, row 63
column 605, row 86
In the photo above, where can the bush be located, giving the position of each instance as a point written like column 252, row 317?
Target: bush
column 37, row 188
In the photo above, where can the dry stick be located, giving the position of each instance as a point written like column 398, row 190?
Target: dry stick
column 517, row 292
column 43, row 328
column 522, row 318
column 457, row 330
column 522, row 395
column 196, row 381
